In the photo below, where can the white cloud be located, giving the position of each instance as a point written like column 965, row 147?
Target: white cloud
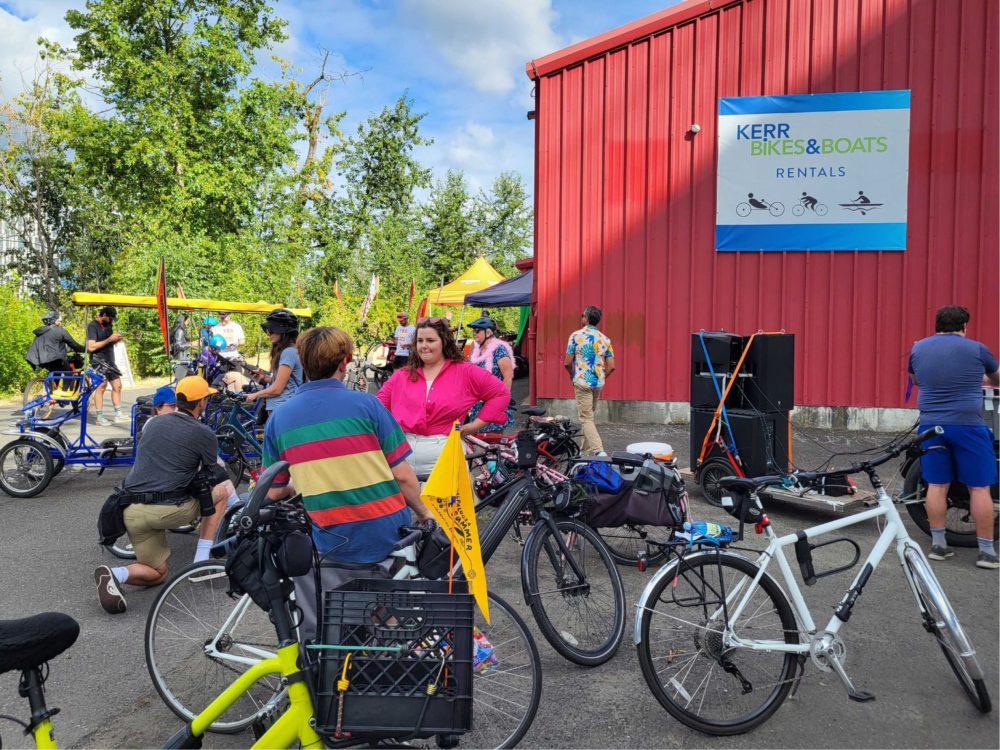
column 20, row 27
column 488, row 43
column 482, row 152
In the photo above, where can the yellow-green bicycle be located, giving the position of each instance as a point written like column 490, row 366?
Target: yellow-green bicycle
column 385, row 670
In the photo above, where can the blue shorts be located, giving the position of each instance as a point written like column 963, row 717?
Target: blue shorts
column 967, row 457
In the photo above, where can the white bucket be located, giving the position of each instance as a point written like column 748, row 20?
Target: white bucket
column 662, row 451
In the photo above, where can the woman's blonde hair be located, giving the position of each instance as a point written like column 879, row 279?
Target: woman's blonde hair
column 322, row 350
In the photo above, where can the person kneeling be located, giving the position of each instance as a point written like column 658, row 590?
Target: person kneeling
column 175, row 478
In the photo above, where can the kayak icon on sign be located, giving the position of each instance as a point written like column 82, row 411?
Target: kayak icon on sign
column 862, row 204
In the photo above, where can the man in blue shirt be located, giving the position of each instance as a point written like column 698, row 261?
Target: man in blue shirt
column 950, row 371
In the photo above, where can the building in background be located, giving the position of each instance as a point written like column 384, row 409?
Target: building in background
column 627, row 170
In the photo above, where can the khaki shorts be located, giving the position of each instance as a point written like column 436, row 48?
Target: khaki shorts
column 147, row 525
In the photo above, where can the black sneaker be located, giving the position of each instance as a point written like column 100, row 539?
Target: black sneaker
column 940, row 553
column 988, row 561
column 108, row 592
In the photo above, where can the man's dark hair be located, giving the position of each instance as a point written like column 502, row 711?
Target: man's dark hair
column 108, row 312
column 592, row 314
column 950, row 318
column 186, row 406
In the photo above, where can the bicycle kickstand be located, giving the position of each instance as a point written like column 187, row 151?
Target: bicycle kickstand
column 859, row 696
column 797, row 680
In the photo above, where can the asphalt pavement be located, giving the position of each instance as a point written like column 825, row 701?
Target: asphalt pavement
column 49, row 553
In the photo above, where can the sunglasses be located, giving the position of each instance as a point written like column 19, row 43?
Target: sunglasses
column 432, row 321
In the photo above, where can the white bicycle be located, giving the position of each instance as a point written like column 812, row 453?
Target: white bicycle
column 721, row 644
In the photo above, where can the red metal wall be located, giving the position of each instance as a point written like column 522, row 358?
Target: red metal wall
column 625, row 195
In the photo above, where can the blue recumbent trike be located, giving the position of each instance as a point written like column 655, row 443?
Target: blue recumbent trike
column 42, row 448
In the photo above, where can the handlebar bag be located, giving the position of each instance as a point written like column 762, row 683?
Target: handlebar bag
column 434, row 555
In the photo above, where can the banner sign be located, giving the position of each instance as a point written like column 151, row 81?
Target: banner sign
column 369, row 298
column 813, row 172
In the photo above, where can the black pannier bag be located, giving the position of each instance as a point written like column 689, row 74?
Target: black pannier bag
column 656, row 497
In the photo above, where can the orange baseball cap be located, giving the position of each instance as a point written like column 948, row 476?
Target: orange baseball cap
column 194, row 388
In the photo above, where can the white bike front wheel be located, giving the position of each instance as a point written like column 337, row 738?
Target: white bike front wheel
column 199, row 639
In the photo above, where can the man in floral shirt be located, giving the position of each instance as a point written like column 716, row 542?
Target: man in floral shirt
column 589, row 361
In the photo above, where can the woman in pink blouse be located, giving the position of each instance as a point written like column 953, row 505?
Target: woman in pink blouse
column 435, row 388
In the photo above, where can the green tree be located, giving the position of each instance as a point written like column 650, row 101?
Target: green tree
column 191, row 152
column 504, row 219
column 372, row 223
column 35, row 185
column 450, row 228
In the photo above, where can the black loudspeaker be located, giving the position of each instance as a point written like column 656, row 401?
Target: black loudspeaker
column 724, row 350
column 761, row 439
column 771, row 362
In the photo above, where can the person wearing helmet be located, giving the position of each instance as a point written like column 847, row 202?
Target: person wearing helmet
column 232, row 332
column 207, row 323
column 404, row 340
column 494, row 355
column 52, row 344
column 101, row 340
column 282, row 327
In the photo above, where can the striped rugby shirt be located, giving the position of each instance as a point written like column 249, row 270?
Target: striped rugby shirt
column 341, row 445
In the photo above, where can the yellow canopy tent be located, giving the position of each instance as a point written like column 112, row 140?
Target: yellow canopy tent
column 480, row 275
column 82, row 299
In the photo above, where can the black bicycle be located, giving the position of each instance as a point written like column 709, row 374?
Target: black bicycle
column 568, row 574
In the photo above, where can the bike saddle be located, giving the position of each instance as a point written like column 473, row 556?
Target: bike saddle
column 32, row 641
column 533, row 411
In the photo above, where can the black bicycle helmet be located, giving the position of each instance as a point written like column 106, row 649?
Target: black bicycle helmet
column 280, row 321
column 484, row 323
column 50, row 317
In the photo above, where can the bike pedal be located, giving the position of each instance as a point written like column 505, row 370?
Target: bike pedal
column 860, row 696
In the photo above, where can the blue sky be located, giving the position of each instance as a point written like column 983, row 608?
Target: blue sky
column 461, row 61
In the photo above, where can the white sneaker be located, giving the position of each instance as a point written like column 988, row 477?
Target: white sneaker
column 103, row 421
column 119, row 417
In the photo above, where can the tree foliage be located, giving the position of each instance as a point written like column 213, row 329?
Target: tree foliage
column 162, row 142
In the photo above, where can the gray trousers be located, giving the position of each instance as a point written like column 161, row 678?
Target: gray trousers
column 331, row 577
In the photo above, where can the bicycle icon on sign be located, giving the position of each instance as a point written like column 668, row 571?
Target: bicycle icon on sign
column 758, row 204
column 809, row 203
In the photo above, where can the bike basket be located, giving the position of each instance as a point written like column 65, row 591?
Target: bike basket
column 402, row 638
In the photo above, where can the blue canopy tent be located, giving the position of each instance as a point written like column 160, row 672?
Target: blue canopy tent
column 515, row 292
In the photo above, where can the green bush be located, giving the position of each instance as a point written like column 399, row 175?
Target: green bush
column 20, row 317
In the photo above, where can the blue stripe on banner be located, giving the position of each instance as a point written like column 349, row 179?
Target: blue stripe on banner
column 760, row 105
column 737, row 237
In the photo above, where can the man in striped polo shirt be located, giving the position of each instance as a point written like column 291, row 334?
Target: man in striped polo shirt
column 347, row 458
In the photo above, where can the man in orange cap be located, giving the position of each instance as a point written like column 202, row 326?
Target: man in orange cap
column 175, row 478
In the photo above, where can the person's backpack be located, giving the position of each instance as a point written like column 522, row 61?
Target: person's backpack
column 111, row 519
column 601, row 475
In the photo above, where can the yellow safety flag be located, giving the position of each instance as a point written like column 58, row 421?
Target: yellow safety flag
column 448, row 494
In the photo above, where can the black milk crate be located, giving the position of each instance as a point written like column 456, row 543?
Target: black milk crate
column 401, row 637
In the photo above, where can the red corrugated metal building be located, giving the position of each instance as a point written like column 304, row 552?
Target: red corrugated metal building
column 625, row 192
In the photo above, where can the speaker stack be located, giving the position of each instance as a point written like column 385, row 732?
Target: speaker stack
column 759, row 400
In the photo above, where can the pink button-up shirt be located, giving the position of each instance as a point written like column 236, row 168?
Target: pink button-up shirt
column 456, row 388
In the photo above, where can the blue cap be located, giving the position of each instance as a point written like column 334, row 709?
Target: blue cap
column 164, row 395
